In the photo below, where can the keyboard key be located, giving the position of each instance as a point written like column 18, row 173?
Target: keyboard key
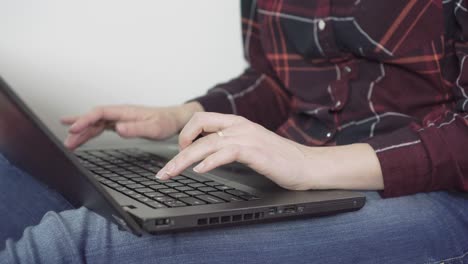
column 144, row 199
column 237, row 192
column 154, row 194
column 193, row 193
column 187, row 181
column 178, row 178
column 119, row 178
column 121, row 188
column 226, row 196
column 166, row 191
column 126, row 182
column 175, row 203
column 164, row 199
column 135, row 186
column 223, row 187
column 137, row 196
column 150, row 172
column 210, row 199
column 113, row 185
column 157, row 186
column 155, row 205
column 212, row 183
column 207, row 189
column 184, row 188
column 192, row 201
column 104, row 180
column 174, row 184
column 144, row 190
column 163, row 182
column 110, row 175
column 147, row 183
column 196, row 185
column 129, row 192
column 178, row 195
column 139, row 179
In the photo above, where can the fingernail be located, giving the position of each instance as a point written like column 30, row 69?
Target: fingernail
column 167, row 170
column 160, row 174
column 199, row 167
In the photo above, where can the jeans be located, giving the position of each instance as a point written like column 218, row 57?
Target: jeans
column 39, row 226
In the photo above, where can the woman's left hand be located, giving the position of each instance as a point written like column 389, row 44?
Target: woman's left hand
column 230, row 138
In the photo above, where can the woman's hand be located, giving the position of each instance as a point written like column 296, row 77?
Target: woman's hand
column 232, row 138
column 293, row 166
column 129, row 121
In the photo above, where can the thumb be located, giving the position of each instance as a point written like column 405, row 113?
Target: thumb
column 146, row 129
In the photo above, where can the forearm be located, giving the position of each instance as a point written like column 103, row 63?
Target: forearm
column 354, row 166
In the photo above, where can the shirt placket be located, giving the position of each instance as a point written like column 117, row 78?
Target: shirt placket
column 346, row 70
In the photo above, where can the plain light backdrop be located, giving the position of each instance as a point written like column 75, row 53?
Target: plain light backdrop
column 64, row 57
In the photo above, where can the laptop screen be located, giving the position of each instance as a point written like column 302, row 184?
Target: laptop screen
column 27, row 143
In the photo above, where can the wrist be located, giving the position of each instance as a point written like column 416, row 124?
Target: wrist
column 185, row 111
column 353, row 166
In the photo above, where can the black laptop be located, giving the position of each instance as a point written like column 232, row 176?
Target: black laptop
column 120, row 184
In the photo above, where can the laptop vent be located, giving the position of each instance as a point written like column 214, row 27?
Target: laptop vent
column 230, row 219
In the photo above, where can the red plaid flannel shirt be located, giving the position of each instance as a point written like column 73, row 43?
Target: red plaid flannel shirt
column 393, row 74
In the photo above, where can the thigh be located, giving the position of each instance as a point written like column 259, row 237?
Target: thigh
column 24, row 201
column 423, row 228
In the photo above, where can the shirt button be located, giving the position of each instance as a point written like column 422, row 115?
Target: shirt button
column 321, row 24
column 329, row 134
column 347, row 69
column 338, row 104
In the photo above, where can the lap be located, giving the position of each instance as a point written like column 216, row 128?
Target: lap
column 413, row 229
column 23, row 201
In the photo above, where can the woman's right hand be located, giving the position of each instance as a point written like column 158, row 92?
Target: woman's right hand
column 129, row 121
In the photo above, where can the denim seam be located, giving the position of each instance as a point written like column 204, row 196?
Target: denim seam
column 463, row 255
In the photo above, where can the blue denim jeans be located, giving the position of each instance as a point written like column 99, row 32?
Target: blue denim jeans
column 40, row 226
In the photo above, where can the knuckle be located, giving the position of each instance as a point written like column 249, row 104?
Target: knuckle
column 235, row 151
column 209, row 162
column 180, row 160
column 197, row 116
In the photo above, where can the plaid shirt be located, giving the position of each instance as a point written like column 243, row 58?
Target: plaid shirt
column 389, row 73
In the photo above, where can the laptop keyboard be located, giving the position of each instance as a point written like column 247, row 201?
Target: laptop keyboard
column 132, row 172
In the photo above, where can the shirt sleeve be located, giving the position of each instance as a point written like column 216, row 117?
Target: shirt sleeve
column 434, row 156
column 256, row 94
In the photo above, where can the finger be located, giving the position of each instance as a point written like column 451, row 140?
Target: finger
column 197, row 151
column 75, row 140
column 106, row 113
column 204, row 122
column 147, row 129
column 224, row 156
column 69, row 120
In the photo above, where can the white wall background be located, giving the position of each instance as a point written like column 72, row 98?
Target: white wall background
column 65, row 56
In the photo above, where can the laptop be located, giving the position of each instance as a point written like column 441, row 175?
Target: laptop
column 120, row 183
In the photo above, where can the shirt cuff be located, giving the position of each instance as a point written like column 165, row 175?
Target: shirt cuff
column 215, row 102
column 405, row 164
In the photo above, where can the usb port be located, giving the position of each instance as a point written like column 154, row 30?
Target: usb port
column 272, row 211
column 162, row 222
column 290, row 209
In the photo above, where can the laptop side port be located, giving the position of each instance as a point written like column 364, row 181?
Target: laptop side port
column 162, row 222
column 292, row 209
